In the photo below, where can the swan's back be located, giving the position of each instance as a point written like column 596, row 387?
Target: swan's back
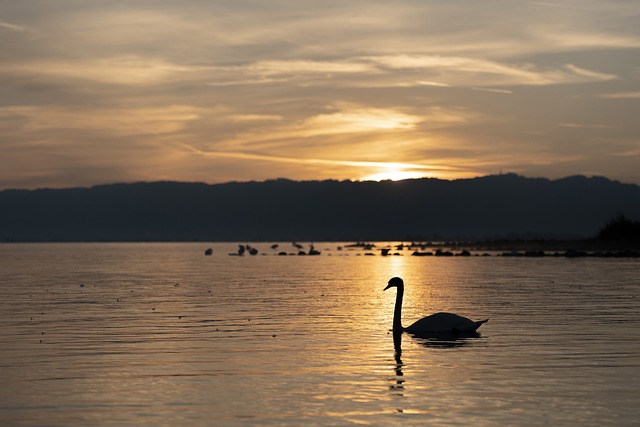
column 445, row 323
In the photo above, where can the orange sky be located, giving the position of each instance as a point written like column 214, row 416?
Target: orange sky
column 215, row 91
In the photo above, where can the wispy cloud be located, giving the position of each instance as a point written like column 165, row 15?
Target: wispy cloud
column 621, row 95
column 435, row 71
column 361, row 119
column 589, row 75
column 306, row 67
column 463, row 71
column 341, row 127
column 584, row 126
column 255, row 118
column 122, row 70
column 112, row 121
column 493, row 90
column 296, row 160
column 8, row 26
column 427, row 83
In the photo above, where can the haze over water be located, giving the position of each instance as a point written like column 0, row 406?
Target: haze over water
column 159, row 334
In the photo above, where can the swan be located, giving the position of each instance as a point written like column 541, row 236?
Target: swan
column 439, row 323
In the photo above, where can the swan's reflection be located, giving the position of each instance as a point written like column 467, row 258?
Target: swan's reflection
column 398, row 387
column 439, row 341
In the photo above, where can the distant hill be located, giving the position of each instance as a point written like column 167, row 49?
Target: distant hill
column 499, row 206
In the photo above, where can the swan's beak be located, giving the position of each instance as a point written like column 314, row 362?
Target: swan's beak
column 388, row 286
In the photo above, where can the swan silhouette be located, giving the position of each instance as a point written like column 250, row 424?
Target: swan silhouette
column 439, row 323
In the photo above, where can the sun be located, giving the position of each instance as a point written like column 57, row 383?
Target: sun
column 394, row 175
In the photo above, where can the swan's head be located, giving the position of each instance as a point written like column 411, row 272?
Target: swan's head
column 395, row 282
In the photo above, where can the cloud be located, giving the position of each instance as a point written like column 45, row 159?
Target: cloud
column 426, row 83
column 306, row 67
column 383, row 71
column 13, row 27
column 112, row 121
column 255, row 117
column 584, row 126
column 122, row 70
column 464, row 71
column 492, row 90
column 299, row 160
column 589, row 76
column 340, row 127
column 621, row 95
column 359, row 119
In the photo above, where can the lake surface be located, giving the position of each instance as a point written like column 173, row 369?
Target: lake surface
column 161, row 335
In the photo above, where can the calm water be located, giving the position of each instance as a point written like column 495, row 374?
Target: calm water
column 159, row 334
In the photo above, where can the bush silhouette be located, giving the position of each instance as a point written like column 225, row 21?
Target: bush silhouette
column 620, row 228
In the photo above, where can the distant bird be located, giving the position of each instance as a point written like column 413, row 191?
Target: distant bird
column 439, row 323
column 209, row 251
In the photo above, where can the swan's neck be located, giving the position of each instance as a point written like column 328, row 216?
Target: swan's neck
column 397, row 312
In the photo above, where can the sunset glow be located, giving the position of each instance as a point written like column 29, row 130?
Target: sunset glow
column 394, row 175
column 227, row 91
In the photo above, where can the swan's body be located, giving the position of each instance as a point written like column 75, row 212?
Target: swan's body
column 439, row 323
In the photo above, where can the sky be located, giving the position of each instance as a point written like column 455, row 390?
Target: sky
column 102, row 91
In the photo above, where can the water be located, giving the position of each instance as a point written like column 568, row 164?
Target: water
column 159, row 334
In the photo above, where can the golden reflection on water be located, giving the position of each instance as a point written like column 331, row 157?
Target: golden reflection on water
column 427, row 288
column 161, row 335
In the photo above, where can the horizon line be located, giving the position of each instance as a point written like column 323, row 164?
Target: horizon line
column 106, row 184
